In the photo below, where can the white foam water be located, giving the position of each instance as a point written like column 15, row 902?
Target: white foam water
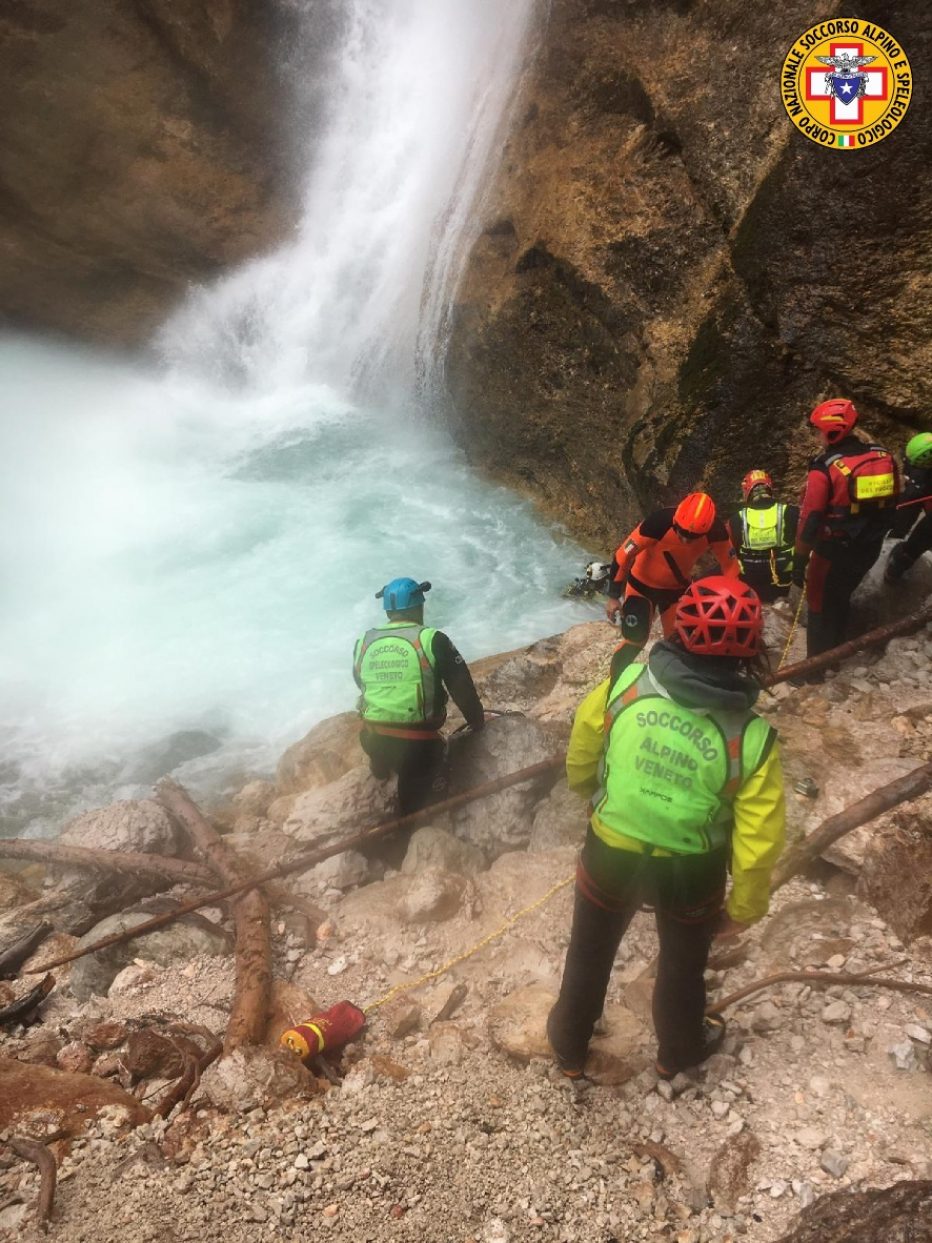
column 189, row 552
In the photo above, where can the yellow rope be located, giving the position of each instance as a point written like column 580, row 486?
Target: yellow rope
column 409, row 985
column 790, row 637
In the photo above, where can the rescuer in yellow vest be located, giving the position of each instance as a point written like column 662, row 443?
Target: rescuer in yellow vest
column 404, row 670
column 684, row 779
column 763, row 531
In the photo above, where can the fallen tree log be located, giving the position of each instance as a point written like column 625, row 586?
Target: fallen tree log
column 871, row 638
column 125, row 862
column 911, row 786
column 44, row 1161
column 20, row 1009
column 304, row 862
column 13, row 958
column 253, row 952
column 821, row 979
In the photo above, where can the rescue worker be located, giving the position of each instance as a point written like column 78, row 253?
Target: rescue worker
column 652, row 566
column 763, row 532
column 684, row 779
column 916, row 511
column 849, row 504
column 405, row 670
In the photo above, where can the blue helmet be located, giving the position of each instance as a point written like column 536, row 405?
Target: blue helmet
column 401, row 594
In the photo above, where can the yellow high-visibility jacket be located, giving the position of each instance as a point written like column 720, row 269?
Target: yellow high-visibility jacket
column 759, row 810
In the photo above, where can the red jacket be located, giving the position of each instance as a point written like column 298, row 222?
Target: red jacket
column 826, row 502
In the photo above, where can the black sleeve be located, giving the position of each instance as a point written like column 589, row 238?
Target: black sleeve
column 455, row 675
column 614, row 589
column 658, row 523
column 718, row 532
column 790, row 524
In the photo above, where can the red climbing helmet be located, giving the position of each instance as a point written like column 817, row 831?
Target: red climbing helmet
column 719, row 616
column 755, row 479
column 834, row 418
column 695, row 514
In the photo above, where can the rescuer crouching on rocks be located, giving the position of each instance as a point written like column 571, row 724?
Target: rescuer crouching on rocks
column 404, row 670
column 684, row 778
column 652, row 568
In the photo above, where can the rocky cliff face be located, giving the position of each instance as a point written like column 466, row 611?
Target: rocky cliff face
column 141, row 150
column 672, row 275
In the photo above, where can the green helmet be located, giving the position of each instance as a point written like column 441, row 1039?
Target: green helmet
column 919, row 450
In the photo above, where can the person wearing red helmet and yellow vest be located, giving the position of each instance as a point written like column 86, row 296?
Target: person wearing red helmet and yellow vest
column 684, row 780
column 849, row 505
column 653, row 566
column 763, row 531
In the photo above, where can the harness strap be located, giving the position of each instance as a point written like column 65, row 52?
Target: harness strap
column 399, row 731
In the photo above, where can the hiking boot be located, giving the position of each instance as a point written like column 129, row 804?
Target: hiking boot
column 713, row 1036
column 570, row 1067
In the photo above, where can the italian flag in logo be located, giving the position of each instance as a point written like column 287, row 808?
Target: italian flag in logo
column 846, row 140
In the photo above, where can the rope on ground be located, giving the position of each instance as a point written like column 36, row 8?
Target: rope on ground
column 793, row 628
column 408, row 986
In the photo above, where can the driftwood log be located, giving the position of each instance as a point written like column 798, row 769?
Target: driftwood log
column 157, row 868
column 304, row 862
column 910, row 786
column 821, row 979
column 125, row 862
column 21, row 1009
column 42, row 1158
column 252, row 990
column 871, row 638
column 13, row 958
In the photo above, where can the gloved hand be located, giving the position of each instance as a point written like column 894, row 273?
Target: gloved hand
column 613, row 607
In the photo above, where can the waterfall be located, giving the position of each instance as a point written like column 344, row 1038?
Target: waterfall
column 419, row 93
column 195, row 548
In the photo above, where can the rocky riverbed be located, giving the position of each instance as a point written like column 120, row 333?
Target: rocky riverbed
column 457, row 1127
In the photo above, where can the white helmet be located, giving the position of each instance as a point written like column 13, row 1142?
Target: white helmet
column 596, row 571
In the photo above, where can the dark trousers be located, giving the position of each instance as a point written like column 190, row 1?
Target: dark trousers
column 835, row 572
column 687, row 892
column 417, row 763
column 639, row 608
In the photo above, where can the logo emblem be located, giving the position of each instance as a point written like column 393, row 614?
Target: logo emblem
column 846, row 83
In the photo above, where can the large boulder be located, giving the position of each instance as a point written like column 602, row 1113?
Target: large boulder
column 325, row 753
column 433, row 847
column 502, row 821
column 143, row 826
column 250, row 1078
column 37, row 1099
column 433, row 895
column 518, row 1026
column 186, row 938
column 898, row 1214
column 547, row 680
column 559, row 820
column 350, row 804
column 896, row 872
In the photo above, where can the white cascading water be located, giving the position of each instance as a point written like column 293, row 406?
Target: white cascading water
column 189, row 553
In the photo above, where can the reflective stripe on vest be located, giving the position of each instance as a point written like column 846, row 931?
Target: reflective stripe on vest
column 668, row 776
column 395, row 667
column 763, row 542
